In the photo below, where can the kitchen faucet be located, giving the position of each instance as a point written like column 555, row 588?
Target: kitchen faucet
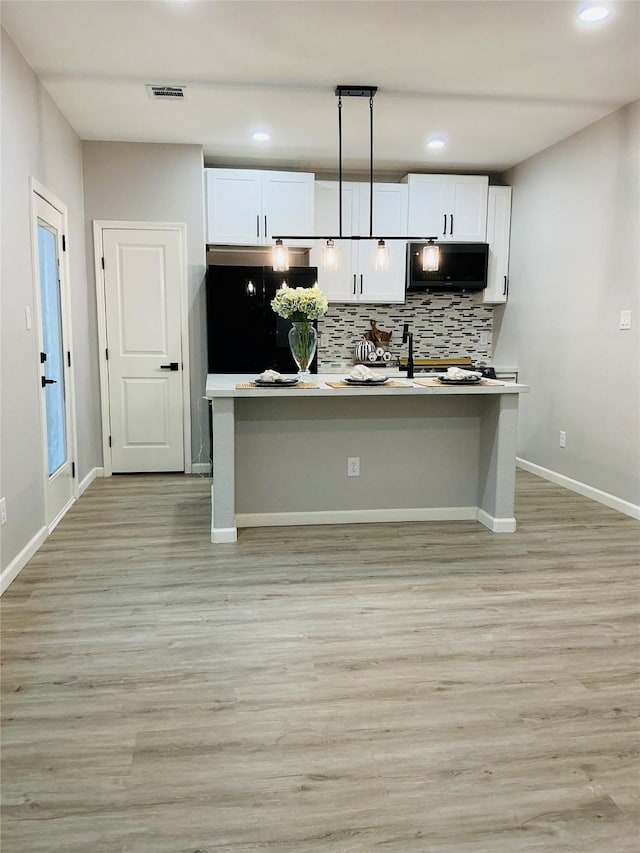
column 408, row 336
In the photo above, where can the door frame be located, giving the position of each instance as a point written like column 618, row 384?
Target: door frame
column 99, row 226
column 38, row 189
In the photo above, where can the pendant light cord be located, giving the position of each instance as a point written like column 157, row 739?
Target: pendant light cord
column 371, row 166
column 340, row 165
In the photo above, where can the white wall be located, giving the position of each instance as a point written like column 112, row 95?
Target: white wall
column 143, row 182
column 38, row 142
column 575, row 264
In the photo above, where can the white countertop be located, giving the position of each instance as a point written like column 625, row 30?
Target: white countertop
column 224, row 385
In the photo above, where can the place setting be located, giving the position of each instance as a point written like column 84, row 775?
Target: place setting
column 273, row 379
column 363, row 377
column 456, row 376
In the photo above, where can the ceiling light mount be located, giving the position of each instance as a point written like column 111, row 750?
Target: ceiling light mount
column 356, row 91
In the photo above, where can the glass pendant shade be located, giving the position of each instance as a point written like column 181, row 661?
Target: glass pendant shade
column 382, row 257
column 330, row 257
column 280, row 257
column 430, row 258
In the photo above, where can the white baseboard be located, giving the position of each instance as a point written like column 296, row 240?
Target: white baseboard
column 200, row 467
column 496, row 525
column 356, row 516
column 65, row 509
column 20, row 561
column 84, row 484
column 581, row 488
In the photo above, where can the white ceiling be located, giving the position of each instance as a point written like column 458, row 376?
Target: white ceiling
column 502, row 80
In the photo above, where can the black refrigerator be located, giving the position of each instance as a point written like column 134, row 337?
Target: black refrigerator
column 244, row 334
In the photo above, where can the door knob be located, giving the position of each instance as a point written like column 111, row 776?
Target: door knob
column 173, row 366
column 46, row 381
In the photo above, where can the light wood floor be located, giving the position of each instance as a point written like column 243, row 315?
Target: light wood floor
column 410, row 688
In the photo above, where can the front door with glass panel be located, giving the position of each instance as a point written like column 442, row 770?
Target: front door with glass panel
column 54, row 362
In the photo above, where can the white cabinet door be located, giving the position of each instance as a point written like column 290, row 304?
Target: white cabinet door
column 427, row 206
column 389, row 220
column 356, row 279
column 247, row 206
column 448, row 207
column 336, row 284
column 234, row 206
column 467, row 205
column 498, row 231
column 287, row 205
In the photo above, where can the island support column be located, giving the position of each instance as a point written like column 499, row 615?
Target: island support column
column 223, row 518
column 498, row 445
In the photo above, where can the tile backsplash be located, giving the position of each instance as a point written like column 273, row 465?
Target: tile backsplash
column 443, row 325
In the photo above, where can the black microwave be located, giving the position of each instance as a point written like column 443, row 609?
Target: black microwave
column 462, row 266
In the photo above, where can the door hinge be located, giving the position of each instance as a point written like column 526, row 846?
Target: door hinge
column 73, row 470
column 64, row 243
column 109, row 441
column 103, row 263
column 68, row 358
column 43, row 357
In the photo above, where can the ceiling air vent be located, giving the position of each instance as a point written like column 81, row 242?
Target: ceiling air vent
column 167, row 93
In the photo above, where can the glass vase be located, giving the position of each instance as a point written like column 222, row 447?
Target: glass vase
column 303, row 340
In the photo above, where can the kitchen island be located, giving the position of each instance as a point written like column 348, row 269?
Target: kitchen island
column 426, row 453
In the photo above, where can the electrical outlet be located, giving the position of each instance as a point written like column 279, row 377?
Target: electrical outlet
column 353, row 466
column 563, row 438
column 625, row 319
column 484, row 339
column 3, row 511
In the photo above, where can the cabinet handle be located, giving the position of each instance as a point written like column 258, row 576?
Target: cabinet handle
column 361, row 282
column 451, row 228
column 444, row 228
column 257, row 224
column 505, row 290
column 354, row 284
column 266, row 230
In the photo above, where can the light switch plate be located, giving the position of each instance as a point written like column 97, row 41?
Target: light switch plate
column 625, row 319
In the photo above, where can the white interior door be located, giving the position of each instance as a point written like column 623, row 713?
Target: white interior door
column 55, row 361
column 142, row 279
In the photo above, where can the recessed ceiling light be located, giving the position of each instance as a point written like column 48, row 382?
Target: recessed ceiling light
column 592, row 14
column 260, row 136
column 436, row 142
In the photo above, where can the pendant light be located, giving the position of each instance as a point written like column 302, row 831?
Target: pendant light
column 280, row 257
column 330, row 254
column 330, row 257
column 381, row 261
column 430, row 257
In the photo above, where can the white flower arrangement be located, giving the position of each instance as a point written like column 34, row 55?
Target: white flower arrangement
column 300, row 304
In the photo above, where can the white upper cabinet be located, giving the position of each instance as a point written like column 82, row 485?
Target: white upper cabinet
column 498, row 232
column 356, row 278
column 448, row 207
column 247, row 206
